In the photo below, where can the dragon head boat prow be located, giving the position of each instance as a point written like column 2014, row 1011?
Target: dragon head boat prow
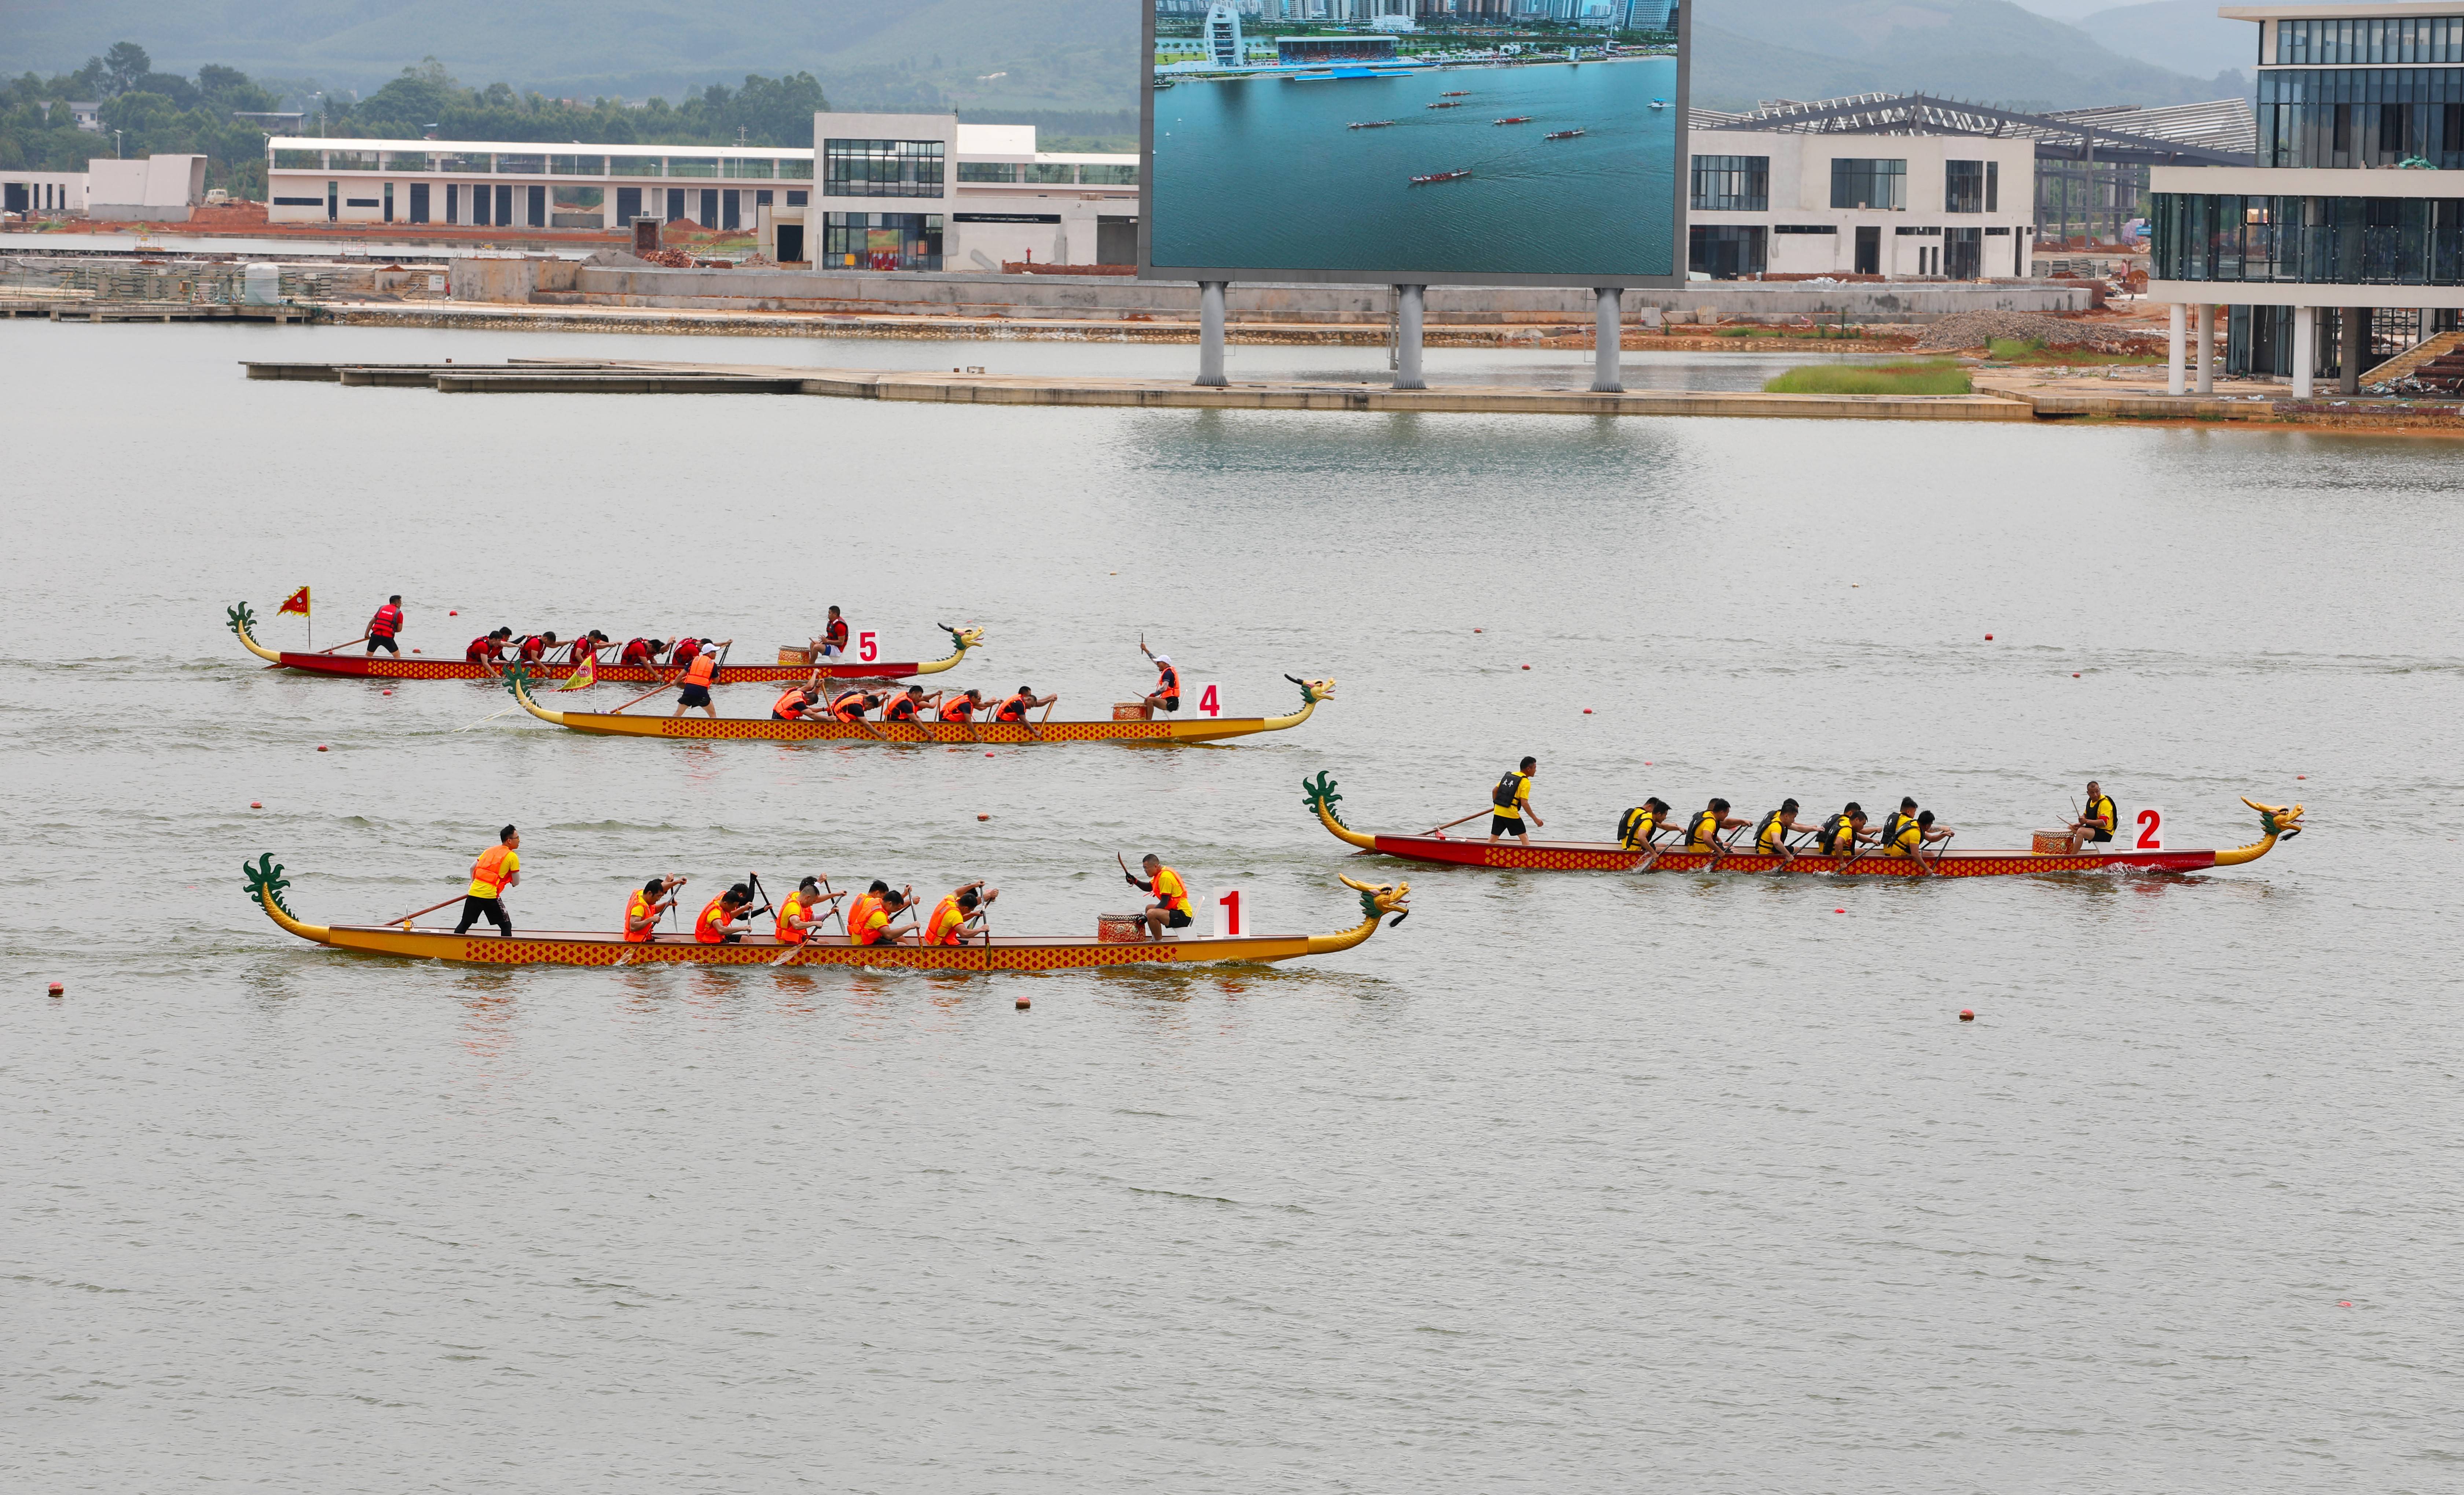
column 1377, row 902
column 1313, row 691
column 961, row 639
column 2278, row 821
column 241, row 620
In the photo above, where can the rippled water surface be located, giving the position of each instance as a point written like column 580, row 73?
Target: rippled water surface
column 1570, row 1183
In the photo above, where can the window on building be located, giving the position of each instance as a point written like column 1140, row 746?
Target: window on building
column 419, row 202
column 693, row 166
column 1962, row 187
column 1725, row 251
column 1733, row 184
column 762, row 197
column 1053, row 174
column 505, row 206
column 351, row 161
column 1861, row 183
column 987, row 170
column 475, row 164
column 731, row 208
column 1098, row 174
column 577, row 165
column 634, row 165
column 881, row 167
column 298, row 160
column 628, row 205
column 580, row 207
column 795, row 199
column 881, row 240
column 749, row 168
column 795, row 168
column 522, row 165
column 405, row 161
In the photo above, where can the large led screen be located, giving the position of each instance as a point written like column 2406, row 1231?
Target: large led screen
column 1436, row 140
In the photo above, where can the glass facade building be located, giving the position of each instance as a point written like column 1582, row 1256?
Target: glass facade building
column 2210, row 236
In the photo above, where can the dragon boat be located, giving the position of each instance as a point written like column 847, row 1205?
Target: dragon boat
column 266, row 885
column 698, row 728
column 2276, row 823
column 794, row 662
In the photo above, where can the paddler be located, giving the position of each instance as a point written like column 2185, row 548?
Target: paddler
column 1913, row 836
column 1170, row 909
column 868, row 919
column 958, row 916
column 796, row 703
column 804, row 911
column 535, row 649
column 1014, row 708
column 643, row 909
column 1842, row 832
column 1771, row 833
column 1896, row 821
column 586, row 646
column 498, row 868
column 721, row 916
column 1637, row 827
column 852, row 706
column 962, row 708
column 1166, row 695
column 903, row 706
column 644, row 652
column 2096, row 822
column 384, row 626
column 488, row 648
column 701, row 672
column 1508, row 801
column 1703, row 832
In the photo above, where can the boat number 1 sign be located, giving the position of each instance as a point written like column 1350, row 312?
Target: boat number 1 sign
column 1234, row 916
column 2151, row 830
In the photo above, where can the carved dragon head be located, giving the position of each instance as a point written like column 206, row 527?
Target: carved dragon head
column 1318, row 795
column 962, row 639
column 1313, row 691
column 1376, row 902
column 240, row 619
column 265, row 880
column 2277, row 820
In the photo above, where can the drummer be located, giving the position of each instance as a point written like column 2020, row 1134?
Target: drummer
column 1170, row 909
column 1166, row 695
column 833, row 640
column 2096, row 822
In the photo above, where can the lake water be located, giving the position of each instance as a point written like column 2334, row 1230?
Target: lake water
column 1267, row 173
column 1570, row 1183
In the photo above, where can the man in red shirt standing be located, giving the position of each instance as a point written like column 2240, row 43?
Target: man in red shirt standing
column 383, row 627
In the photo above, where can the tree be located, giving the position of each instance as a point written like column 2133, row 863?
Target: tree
column 125, row 64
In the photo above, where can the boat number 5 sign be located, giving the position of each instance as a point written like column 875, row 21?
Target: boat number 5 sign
column 1234, row 915
column 2151, row 830
column 868, row 646
column 1210, row 700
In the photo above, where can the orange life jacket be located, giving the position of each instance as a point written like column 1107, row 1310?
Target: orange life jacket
column 792, row 909
column 790, row 706
column 703, row 670
column 1013, row 709
column 638, row 911
column 860, row 916
column 710, row 929
column 848, row 707
column 958, row 708
column 947, row 920
column 1167, row 682
column 901, row 709
column 489, row 870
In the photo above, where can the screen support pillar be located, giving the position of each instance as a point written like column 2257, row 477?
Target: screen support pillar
column 1407, row 337
column 1210, row 332
column 2355, row 325
column 2206, row 326
column 2173, row 348
column 1608, row 338
column 2305, row 349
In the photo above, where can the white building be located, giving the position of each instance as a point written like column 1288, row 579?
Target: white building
column 1778, row 202
column 39, row 195
column 157, row 190
column 893, row 191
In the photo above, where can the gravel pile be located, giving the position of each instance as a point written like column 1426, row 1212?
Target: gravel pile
column 1971, row 329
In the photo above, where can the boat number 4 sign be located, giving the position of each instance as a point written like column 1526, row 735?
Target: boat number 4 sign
column 1210, row 700
column 1234, row 915
column 2151, row 830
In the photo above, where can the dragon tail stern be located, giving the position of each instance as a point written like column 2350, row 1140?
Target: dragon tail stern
column 265, row 886
column 1318, row 796
column 241, row 619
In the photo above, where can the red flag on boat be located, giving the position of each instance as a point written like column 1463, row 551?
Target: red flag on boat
column 297, row 602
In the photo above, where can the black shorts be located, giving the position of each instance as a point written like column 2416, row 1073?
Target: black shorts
column 1169, row 702
column 2099, row 836
column 694, row 696
column 1503, row 825
column 376, row 643
column 1177, row 918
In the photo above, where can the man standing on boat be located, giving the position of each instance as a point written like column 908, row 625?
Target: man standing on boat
column 383, row 627
column 699, row 676
column 1508, row 801
column 2096, row 822
column 1170, row 909
column 1166, row 695
column 498, row 868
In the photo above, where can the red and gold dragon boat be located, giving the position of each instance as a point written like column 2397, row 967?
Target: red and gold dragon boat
column 1060, row 953
column 794, row 662
column 698, row 728
column 2276, row 822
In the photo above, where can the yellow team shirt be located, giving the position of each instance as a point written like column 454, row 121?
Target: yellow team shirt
column 1910, row 836
column 1698, row 838
column 1170, row 892
column 1638, row 834
column 1773, row 836
column 1522, row 796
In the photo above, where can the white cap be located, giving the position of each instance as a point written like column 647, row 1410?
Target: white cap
column 1163, row 658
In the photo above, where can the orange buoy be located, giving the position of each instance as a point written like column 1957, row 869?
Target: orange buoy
column 1839, row 910
column 983, row 818
column 255, row 804
column 387, row 693
column 989, row 755
column 1527, row 666
column 57, row 989
column 2301, row 775
column 1476, row 630
column 1988, row 639
column 2075, row 674
column 1022, row 1004
column 453, row 615
column 321, row 747
column 1586, row 712
column 1967, row 1015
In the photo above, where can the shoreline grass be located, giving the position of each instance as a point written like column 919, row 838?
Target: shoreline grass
column 1930, row 377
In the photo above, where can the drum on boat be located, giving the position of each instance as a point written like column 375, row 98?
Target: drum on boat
column 1120, row 928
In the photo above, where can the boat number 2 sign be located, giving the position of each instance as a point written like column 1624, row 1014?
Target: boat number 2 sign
column 1234, row 915
column 1210, row 700
column 2151, row 830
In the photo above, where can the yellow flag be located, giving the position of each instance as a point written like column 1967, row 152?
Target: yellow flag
column 585, row 677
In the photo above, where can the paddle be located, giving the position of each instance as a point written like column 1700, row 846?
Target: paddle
column 1451, row 824
column 798, row 948
column 430, row 909
column 339, row 648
